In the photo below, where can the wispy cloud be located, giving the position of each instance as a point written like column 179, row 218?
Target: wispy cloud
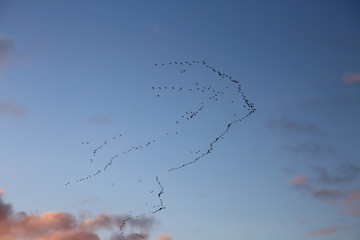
column 65, row 226
column 352, row 196
column 326, row 105
column 156, row 28
column 351, row 78
column 7, row 50
column 164, row 236
column 328, row 193
column 99, row 120
column 352, row 203
column 311, row 148
column 353, row 210
column 12, row 109
column 333, row 187
column 345, row 173
column 316, row 37
column 304, row 221
column 299, row 180
column 286, row 126
column 326, row 230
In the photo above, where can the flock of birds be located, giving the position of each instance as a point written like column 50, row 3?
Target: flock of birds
column 159, row 208
column 216, row 94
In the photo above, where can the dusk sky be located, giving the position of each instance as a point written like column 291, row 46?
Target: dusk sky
column 179, row 120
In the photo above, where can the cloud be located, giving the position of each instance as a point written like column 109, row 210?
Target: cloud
column 311, row 99
column 352, row 203
column 1, row 191
column 7, row 50
column 99, row 120
column 352, row 210
column 352, row 196
column 326, row 230
column 155, row 28
column 64, row 226
column 304, row 221
column 11, row 109
column 286, row 126
column 328, row 193
column 90, row 200
column 164, row 236
column 351, row 78
column 328, row 106
column 132, row 236
column 350, row 40
column 80, row 235
column 311, row 148
column 299, row 180
column 345, row 173
column 318, row 187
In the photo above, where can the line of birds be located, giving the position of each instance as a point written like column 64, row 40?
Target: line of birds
column 215, row 96
column 190, row 116
column 160, row 207
column 250, row 107
column 187, row 115
column 221, row 135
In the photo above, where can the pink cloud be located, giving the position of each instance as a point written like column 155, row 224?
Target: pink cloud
column 163, row 236
column 12, row 109
column 65, row 226
column 352, row 203
column 353, row 210
column 351, row 78
column 298, row 180
column 352, row 196
column 326, row 230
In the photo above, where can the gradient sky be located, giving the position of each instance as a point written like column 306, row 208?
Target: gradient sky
column 83, row 71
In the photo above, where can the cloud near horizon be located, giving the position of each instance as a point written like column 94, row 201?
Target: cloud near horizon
column 164, row 236
column 65, row 226
column 351, row 78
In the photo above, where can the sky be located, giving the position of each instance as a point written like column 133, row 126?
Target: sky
column 172, row 120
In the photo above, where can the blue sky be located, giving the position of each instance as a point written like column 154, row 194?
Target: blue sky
column 83, row 71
